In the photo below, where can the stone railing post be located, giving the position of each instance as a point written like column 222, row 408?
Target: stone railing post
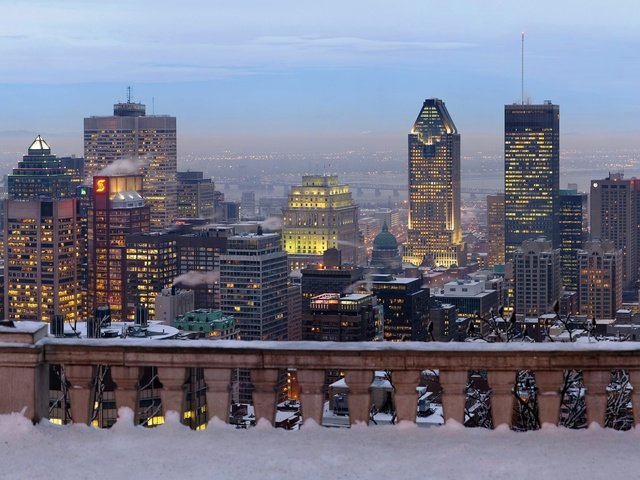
column 218, row 382
column 405, row 396
column 311, row 394
column 80, row 377
column 127, row 381
column 265, row 384
column 453, row 383
column 549, row 383
column 595, row 382
column 359, row 396
column 634, row 379
column 501, row 384
column 172, row 392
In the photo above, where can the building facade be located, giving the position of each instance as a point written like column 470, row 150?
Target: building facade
column 495, row 229
column 195, row 195
column 614, row 216
column 531, row 174
column 435, row 234
column 537, row 277
column 600, row 279
column 118, row 210
column 145, row 144
column 572, row 235
column 320, row 215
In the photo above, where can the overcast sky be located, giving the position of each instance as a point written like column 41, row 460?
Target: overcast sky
column 327, row 75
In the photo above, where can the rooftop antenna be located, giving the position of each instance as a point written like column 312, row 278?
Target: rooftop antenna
column 522, row 70
column 153, row 105
column 129, row 94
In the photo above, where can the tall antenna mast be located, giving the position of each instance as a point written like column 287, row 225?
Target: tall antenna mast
column 129, row 94
column 522, row 70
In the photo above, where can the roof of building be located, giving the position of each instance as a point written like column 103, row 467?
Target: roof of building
column 385, row 240
column 39, row 146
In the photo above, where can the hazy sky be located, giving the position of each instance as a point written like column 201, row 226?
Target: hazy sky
column 326, row 75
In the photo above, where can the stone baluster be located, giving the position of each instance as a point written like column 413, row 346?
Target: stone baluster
column 549, row 383
column 218, row 382
column 595, row 382
column 80, row 377
column 359, row 397
column 634, row 379
column 501, row 384
column 127, row 381
column 172, row 392
column 265, row 384
column 311, row 393
column 453, row 384
column 406, row 395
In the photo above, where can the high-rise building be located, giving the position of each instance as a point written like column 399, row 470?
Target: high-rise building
column 118, row 210
column 531, row 174
column 41, row 260
column 195, row 195
column 495, row 229
column 435, row 234
column 615, row 214
column 320, row 215
column 572, row 235
column 405, row 304
column 39, row 175
column 144, row 144
column 537, row 277
column 248, row 205
column 600, row 279
column 151, row 265
column 41, row 240
column 253, row 285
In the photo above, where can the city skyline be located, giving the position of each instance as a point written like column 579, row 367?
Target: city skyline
column 357, row 74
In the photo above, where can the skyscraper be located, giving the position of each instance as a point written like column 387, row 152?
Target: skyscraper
column 118, row 210
column 600, row 279
column 41, row 233
column 195, row 195
column 572, row 235
column 495, row 229
column 146, row 144
column 531, row 174
column 537, row 277
column 320, row 215
column 435, row 234
column 40, row 175
column 614, row 216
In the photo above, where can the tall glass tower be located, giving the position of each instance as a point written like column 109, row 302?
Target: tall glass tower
column 434, row 235
column 531, row 174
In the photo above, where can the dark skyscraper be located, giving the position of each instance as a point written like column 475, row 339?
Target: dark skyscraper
column 572, row 235
column 434, row 232
column 531, row 174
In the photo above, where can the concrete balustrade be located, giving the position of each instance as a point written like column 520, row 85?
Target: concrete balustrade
column 24, row 361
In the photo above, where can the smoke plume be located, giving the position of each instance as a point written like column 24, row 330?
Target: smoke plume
column 194, row 279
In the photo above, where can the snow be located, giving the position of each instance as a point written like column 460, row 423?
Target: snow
column 402, row 451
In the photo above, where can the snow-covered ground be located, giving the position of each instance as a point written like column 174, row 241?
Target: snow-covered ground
column 404, row 451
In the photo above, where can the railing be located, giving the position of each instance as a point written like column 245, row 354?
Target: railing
column 24, row 373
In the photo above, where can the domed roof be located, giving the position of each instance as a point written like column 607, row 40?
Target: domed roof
column 385, row 240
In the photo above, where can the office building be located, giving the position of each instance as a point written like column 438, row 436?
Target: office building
column 118, row 210
column 253, row 285
column 405, row 304
column 196, row 195
column 41, row 272
column 615, row 216
column 537, row 277
column 572, row 235
column 339, row 317
column 434, row 234
column 495, row 229
column 151, row 266
column 531, row 174
column 600, row 279
column 172, row 302
column 212, row 324
column 39, row 175
column 469, row 297
column 141, row 143
column 248, row 205
column 320, row 215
